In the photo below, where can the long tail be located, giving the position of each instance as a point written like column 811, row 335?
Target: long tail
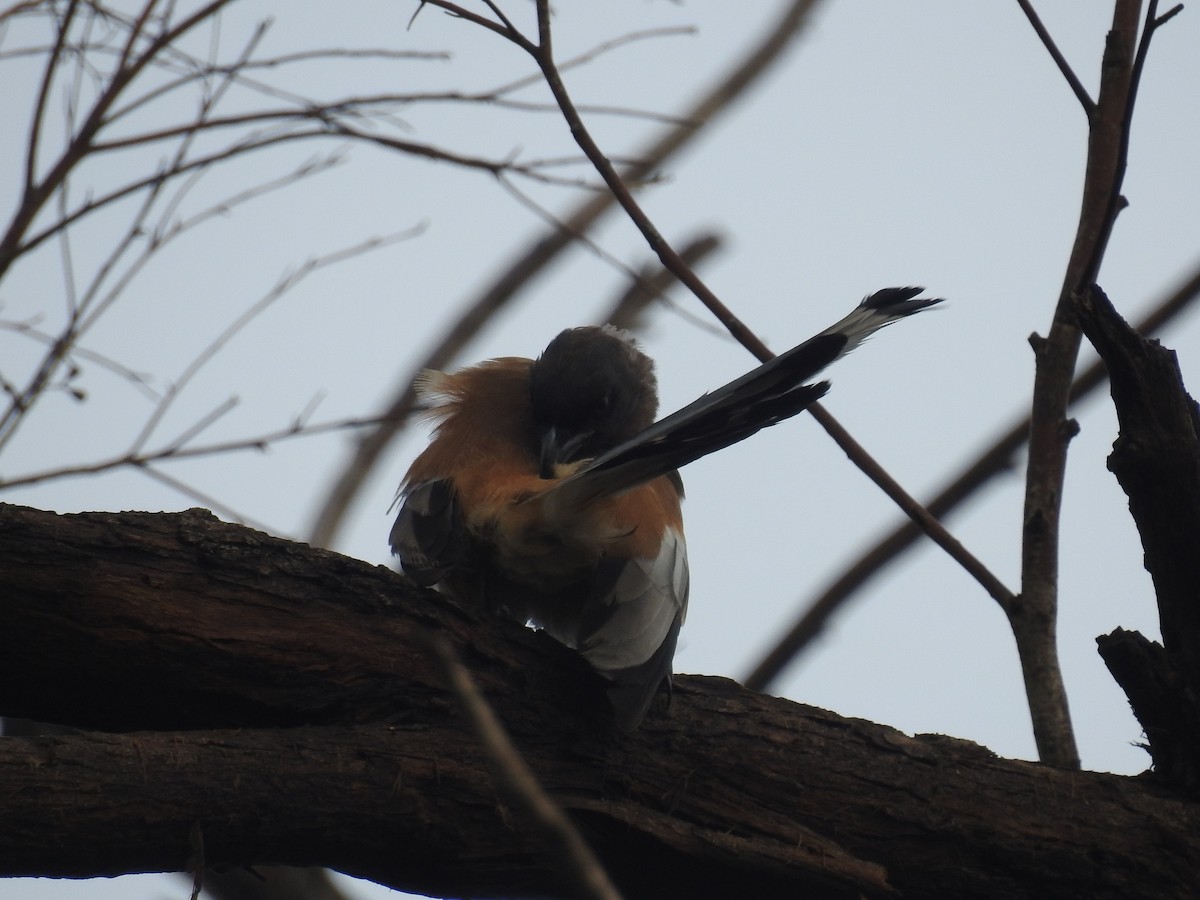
column 764, row 396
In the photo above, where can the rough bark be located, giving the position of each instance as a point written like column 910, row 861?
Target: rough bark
column 277, row 703
column 1163, row 701
column 1156, row 458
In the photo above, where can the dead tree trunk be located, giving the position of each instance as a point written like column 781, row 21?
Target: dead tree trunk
column 1156, row 459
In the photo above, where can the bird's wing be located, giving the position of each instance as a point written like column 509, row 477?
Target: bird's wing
column 631, row 621
column 429, row 535
column 636, row 601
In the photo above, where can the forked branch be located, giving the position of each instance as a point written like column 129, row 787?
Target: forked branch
column 1033, row 617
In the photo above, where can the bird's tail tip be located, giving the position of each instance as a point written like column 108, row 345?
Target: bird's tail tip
column 898, row 302
column 877, row 310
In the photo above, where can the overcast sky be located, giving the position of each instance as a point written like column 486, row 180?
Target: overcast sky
column 930, row 143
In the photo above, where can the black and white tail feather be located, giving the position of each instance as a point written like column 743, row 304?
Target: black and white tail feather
column 774, row 391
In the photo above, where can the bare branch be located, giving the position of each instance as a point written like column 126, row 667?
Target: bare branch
column 495, row 167
column 139, row 456
column 37, row 194
column 78, row 324
column 19, row 9
column 924, row 519
column 39, row 111
column 285, row 59
column 139, row 380
column 158, row 178
column 652, row 282
column 1033, row 617
column 503, row 27
column 698, row 321
column 173, row 451
column 1088, row 104
column 496, row 96
column 595, row 53
column 281, row 288
column 201, row 425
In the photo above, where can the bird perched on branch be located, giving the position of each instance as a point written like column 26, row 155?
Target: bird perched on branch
column 551, row 495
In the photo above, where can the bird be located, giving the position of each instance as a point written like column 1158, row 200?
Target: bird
column 550, row 495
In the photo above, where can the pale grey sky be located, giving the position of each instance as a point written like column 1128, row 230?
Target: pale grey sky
column 931, row 142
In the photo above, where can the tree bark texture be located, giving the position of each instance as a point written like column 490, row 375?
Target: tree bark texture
column 278, row 705
column 1156, row 458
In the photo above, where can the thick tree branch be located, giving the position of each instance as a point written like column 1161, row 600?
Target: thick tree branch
column 1157, row 460
column 1164, row 700
column 301, row 722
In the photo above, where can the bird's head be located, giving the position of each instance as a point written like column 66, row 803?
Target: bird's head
column 591, row 389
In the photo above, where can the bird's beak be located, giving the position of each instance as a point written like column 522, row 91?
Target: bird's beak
column 551, row 453
column 557, row 450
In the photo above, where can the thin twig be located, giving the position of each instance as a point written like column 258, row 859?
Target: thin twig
column 197, row 428
column 517, row 783
column 594, row 53
column 139, row 380
column 499, row 13
column 175, row 451
column 159, row 177
column 138, row 225
column 39, row 110
column 495, row 167
column 322, row 55
column 281, row 288
column 80, row 145
column 924, row 519
column 528, row 202
column 38, row 194
column 18, row 9
column 206, row 500
column 1085, row 100
column 503, row 27
column 64, row 346
column 652, row 283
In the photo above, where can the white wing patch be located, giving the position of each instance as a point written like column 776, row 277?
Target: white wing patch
column 647, row 598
